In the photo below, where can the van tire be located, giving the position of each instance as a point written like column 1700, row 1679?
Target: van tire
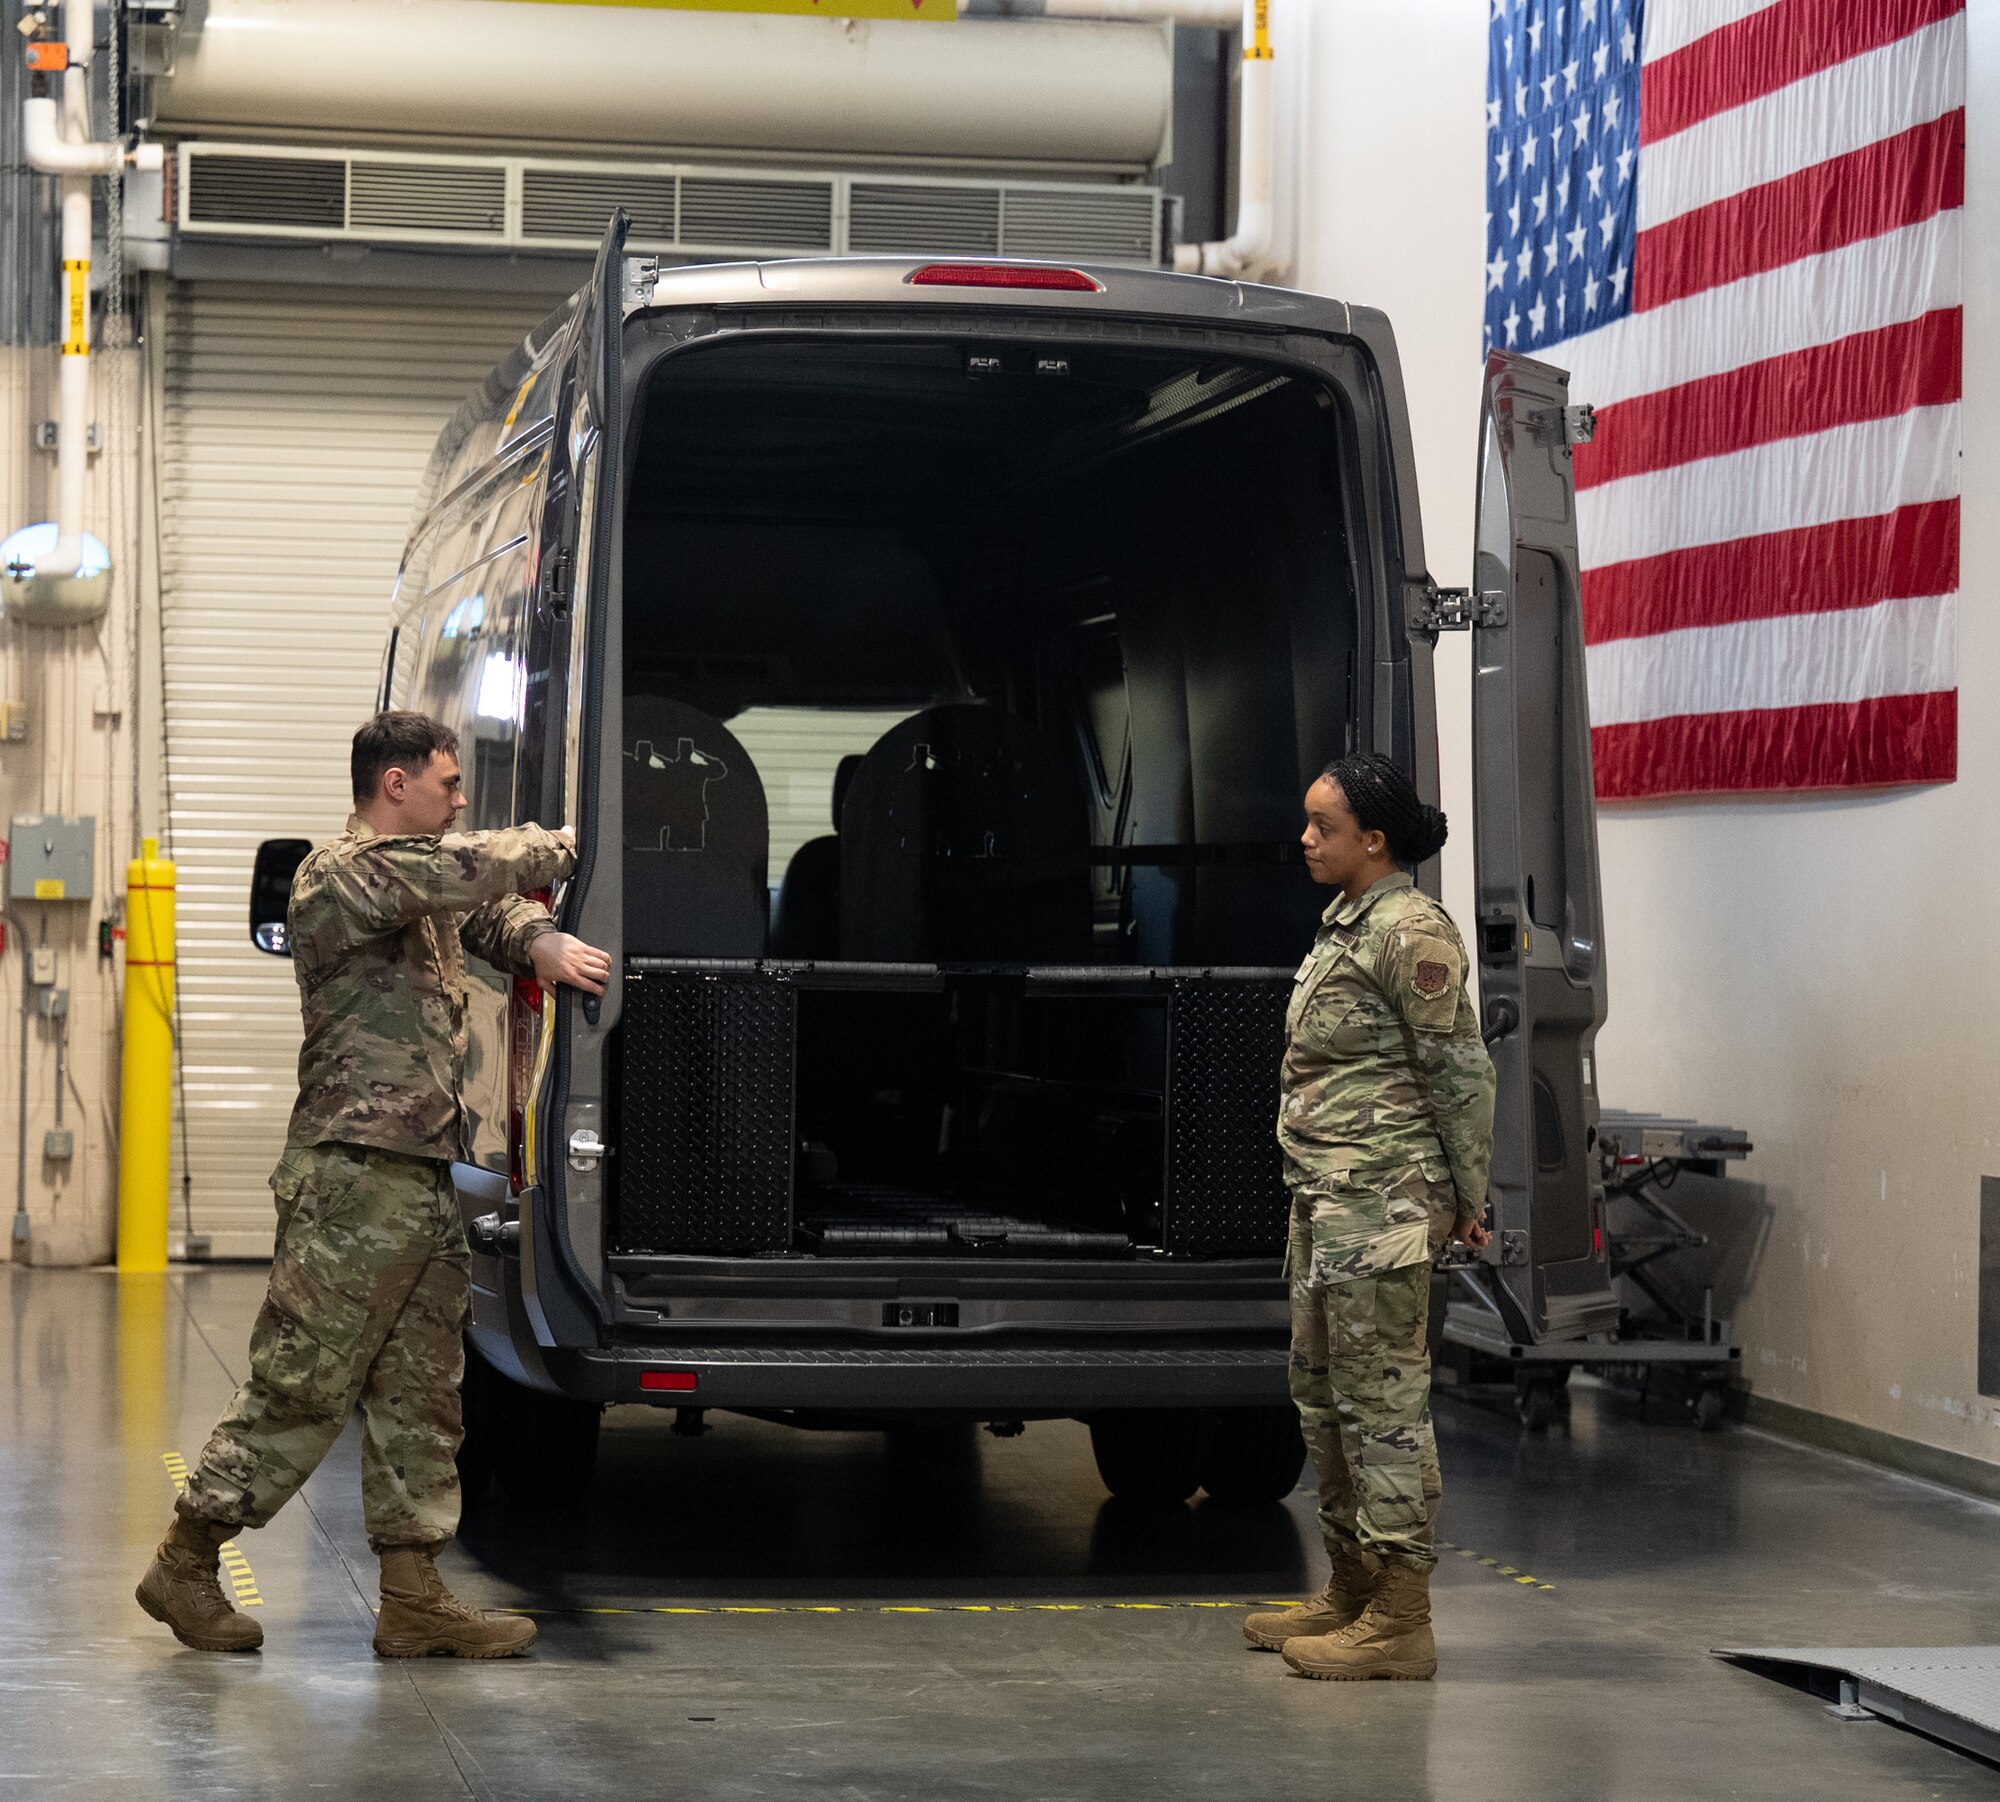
column 1154, row 1456
column 1255, row 1456
column 548, row 1448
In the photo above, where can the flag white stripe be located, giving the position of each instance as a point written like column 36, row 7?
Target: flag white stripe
column 1880, row 281
column 1841, row 109
column 1847, row 472
column 1902, row 647
column 1672, row 24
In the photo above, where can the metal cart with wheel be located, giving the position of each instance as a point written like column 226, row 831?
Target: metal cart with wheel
column 1643, row 1156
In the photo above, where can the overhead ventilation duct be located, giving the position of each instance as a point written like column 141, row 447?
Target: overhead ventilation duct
column 1055, row 92
column 533, row 203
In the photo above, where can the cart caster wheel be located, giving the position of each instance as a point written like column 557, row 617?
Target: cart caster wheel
column 1708, row 1407
column 1536, row 1404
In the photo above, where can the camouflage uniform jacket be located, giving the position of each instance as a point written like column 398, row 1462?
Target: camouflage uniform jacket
column 1383, row 1065
column 379, row 927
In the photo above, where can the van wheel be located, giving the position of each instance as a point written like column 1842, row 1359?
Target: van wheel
column 481, row 1396
column 548, row 1447
column 1255, row 1456
column 1151, row 1455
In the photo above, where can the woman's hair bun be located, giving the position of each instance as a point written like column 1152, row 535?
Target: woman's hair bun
column 1383, row 799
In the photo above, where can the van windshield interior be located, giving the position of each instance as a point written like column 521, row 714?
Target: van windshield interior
column 979, row 658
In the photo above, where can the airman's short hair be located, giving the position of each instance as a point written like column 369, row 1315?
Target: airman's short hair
column 393, row 740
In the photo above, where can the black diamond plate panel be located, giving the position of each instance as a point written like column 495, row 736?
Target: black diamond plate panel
column 704, row 1151
column 1225, row 1177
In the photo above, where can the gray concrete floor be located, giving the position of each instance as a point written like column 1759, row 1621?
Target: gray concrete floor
column 936, row 1675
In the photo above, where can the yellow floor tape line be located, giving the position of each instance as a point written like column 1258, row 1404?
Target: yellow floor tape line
column 235, row 1566
column 1495, row 1566
column 879, row 1608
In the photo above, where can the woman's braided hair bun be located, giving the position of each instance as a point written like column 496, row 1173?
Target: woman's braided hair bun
column 1382, row 799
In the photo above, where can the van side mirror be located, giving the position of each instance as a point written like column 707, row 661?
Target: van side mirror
column 278, row 861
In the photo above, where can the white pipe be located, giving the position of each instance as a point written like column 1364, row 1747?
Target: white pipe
column 1217, row 15
column 61, row 145
column 53, row 154
column 1252, row 246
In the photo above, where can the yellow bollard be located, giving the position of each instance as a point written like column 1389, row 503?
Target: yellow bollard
column 145, row 1097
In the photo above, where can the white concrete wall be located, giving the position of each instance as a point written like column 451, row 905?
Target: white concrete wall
column 1824, row 972
column 1382, row 196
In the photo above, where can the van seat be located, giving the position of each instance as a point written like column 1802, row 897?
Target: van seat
column 697, row 835
column 965, row 838
column 805, row 922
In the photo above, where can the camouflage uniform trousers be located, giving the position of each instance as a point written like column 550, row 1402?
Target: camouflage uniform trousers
column 370, row 1288
column 1360, row 1366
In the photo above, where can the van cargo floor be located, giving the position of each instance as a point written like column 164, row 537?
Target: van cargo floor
column 858, row 1220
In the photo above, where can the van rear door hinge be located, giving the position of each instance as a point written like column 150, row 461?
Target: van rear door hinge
column 641, row 276
column 1459, row 610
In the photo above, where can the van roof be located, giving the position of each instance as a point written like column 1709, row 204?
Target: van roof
column 886, row 281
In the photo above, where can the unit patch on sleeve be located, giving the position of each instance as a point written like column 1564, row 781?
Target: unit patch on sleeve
column 1431, row 979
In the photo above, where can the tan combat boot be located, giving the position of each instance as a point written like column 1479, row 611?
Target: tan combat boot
column 1340, row 1602
column 1391, row 1638
column 183, row 1588
column 420, row 1618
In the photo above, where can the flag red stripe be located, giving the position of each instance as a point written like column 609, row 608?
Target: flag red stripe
column 1768, row 50
column 1890, row 183
column 1859, row 744
column 1915, row 363
column 1814, row 569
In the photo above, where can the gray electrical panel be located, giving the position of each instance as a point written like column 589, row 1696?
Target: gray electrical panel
column 50, row 858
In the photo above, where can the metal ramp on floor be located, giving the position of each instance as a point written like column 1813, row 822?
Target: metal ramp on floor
column 1949, row 1693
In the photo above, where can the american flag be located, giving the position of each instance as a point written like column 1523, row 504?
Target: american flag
column 1736, row 222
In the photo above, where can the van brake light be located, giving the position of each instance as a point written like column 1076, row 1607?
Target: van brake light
column 1004, row 275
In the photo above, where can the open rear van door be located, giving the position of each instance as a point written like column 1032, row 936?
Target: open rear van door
column 562, row 1209
column 1540, row 912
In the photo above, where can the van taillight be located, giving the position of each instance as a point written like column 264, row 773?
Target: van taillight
column 524, row 1028
column 1003, row 275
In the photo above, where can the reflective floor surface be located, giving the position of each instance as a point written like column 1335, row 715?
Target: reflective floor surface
column 764, row 1613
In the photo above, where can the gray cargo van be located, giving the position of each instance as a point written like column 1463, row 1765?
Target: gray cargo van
column 931, row 656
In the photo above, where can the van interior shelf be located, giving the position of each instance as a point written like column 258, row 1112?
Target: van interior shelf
column 833, row 973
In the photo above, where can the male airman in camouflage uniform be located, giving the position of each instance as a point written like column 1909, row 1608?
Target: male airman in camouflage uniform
column 1386, row 1123
column 370, row 1283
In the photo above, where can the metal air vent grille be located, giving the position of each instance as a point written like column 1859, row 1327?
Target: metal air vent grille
column 573, row 205
column 923, row 221
column 679, row 210
column 266, row 190
column 1108, row 225
column 427, row 197
column 728, row 213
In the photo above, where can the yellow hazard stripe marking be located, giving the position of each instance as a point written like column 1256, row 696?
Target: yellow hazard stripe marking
column 1520, row 1577
column 235, row 1566
column 878, row 1608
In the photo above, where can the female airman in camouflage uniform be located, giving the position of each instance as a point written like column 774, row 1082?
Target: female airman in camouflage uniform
column 1386, row 1120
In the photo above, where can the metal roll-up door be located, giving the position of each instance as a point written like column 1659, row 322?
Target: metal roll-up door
column 296, row 425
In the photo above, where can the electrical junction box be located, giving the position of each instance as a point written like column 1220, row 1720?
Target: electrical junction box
column 58, row 1144
column 51, row 858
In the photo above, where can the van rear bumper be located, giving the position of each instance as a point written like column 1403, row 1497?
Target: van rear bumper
column 1000, row 1379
